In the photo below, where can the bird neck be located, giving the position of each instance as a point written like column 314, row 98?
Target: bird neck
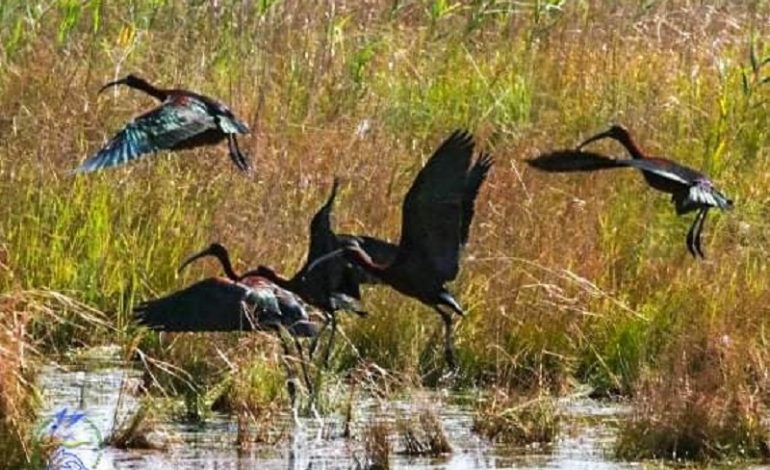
column 363, row 260
column 633, row 148
column 224, row 260
column 143, row 85
column 276, row 279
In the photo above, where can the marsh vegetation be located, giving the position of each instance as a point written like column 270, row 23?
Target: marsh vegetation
column 568, row 281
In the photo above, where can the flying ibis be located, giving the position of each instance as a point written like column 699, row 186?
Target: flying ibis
column 690, row 190
column 183, row 120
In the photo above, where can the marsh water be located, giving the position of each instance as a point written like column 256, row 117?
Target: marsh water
column 104, row 395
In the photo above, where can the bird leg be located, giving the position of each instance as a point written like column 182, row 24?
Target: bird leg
column 303, row 366
column 694, row 234
column 235, row 153
column 291, row 379
column 316, row 339
column 449, row 348
column 333, row 322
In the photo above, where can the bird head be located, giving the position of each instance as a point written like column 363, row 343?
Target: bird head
column 215, row 249
column 350, row 248
column 130, row 80
column 616, row 131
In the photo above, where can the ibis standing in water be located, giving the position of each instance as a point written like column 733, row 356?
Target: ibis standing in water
column 183, row 120
column 436, row 218
column 331, row 287
column 690, row 190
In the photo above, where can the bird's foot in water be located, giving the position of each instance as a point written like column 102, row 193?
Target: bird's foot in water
column 449, row 378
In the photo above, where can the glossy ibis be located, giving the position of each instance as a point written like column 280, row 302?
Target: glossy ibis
column 331, row 287
column 690, row 190
column 436, row 218
column 183, row 120
column 219, row 304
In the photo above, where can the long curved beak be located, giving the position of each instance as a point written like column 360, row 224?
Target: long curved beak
column 206, row 252
column 325, row 258
column 112, row 84
column 599, row 136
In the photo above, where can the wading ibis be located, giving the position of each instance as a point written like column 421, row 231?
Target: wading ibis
column 331, row 287
column 690, row 190
column 183, row 120
column 436, row 218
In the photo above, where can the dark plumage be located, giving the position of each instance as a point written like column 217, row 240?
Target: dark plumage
column 219, row 304
column 437, row 214
column 690, row 190
column 330, row 288
column 183, row 120
column 335, row 285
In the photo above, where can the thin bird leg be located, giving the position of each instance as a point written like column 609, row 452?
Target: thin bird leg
column 303, row 366
column 449, row 348
column 314, row 342
column 693, row 235
column 235, row 153
column 331, row 340
column 291, row 378
column 701, row 221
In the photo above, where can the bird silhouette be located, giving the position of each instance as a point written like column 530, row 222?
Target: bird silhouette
column 183, row 120
column 690, row 189
column 436, row 218
column 219, row 304
column 333, row 286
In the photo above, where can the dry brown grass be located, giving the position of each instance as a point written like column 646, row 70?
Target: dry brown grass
column 377, row 447
column 568, row 277
column 708, row 403
column 21, row 314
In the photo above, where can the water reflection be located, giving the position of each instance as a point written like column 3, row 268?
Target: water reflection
column 583, row 443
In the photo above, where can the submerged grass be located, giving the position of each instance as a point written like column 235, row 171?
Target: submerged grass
column 423, row 435
column 517, row 419
column 580, row 277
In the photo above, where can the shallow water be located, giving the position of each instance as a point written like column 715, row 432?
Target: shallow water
column 584, row 442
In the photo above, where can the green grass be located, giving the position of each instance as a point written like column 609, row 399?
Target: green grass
column 567, row 278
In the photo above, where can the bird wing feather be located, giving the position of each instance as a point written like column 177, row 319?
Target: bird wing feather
column 214, row 304
column 706, row 194
column 571, row 160
column 476, row 177
column 433, row 209
column 158, row 129
column 334, row 276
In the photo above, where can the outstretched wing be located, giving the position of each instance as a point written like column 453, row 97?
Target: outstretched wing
column 570, row 160
column 330, row 278
column 166, row 126
column 214, row 304
column 476, row 177
column 322, row 238
column 431, row 232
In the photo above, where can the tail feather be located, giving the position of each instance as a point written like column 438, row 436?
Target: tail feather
column 574, row 160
